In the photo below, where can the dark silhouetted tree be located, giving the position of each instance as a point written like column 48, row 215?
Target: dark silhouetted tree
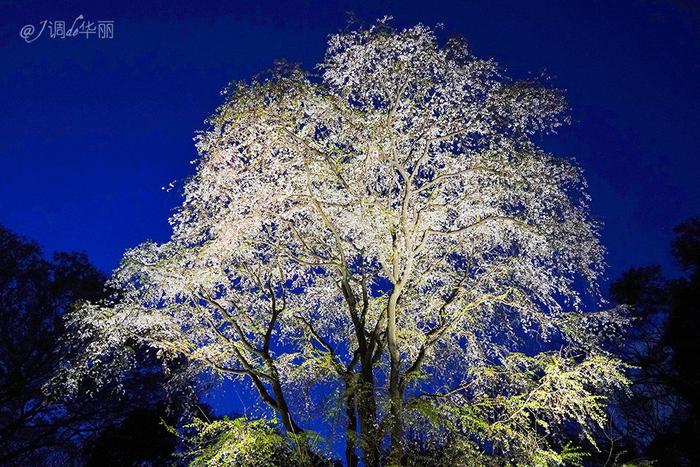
column 34, row 294
column 660, row 419
column 39, row 426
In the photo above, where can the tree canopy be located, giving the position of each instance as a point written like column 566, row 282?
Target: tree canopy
column 383, row 243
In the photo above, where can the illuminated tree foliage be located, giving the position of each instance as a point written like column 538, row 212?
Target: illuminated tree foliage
column 240, row 442
column 384, row 238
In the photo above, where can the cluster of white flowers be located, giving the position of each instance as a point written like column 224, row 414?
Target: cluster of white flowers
column 397, row 203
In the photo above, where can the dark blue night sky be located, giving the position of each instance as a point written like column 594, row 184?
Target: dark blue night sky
column 90, row 129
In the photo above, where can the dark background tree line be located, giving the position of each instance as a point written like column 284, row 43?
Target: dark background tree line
column 112, row 426
column 658, row 421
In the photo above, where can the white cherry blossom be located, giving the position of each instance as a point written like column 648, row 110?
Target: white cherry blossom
column 388, row 232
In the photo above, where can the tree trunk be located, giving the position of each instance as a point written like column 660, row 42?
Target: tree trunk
column 286, row 415
column 351, row 431
column 394, row 381
column 366, row 408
